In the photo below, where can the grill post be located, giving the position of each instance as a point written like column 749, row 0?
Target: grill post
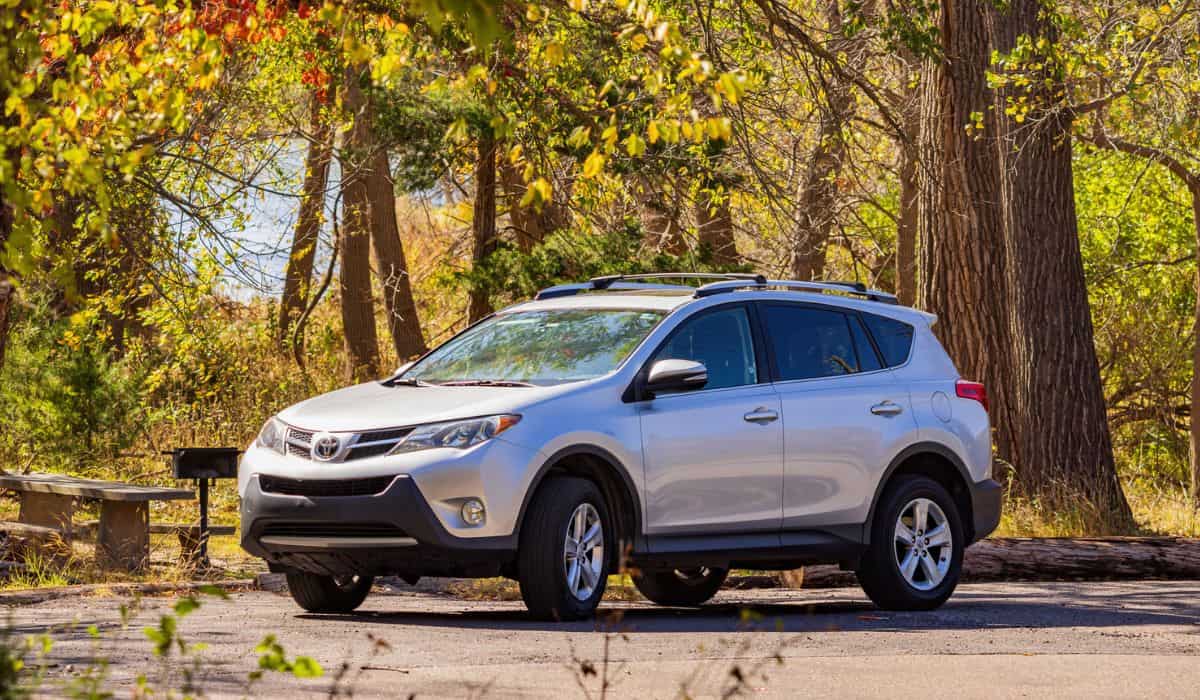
column 203, row 558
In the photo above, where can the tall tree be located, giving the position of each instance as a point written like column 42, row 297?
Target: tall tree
column 7, row 290
column 714, row 222
column 817, row 205
column 1062, row 448
column 398, row 301
column 908, row 148
column 960, row 213
column 354, row 280
column 483, row 221
column 298, row 276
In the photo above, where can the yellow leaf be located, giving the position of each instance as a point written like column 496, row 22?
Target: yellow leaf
column 554, row 53
column 593, row 165
column 634, row 145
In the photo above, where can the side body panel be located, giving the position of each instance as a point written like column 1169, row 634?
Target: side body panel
column 709, row 469
column 836, row 449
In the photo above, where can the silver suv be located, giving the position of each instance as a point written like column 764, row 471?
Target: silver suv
column 671, row 430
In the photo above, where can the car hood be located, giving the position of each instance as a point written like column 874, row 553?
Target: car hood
column 373, row 406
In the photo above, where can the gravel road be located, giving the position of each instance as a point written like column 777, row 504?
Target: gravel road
column 1082, row 640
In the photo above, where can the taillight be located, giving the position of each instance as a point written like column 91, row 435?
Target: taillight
column 971, row 390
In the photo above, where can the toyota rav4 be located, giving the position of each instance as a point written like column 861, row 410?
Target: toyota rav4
column 674, row 431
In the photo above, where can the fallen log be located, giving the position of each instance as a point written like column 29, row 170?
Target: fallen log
column 1045, row 559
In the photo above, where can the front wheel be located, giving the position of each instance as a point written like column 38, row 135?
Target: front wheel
column 562, row 561
column 686, row 587
column 916, row 552
column 328, row 594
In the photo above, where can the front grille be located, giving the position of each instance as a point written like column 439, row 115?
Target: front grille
column 370, row 444
column 382, row 435
column 309, row 529
column 324, row 488
column 301, row 436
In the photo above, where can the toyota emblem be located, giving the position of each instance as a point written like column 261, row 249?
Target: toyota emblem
column 326, row 446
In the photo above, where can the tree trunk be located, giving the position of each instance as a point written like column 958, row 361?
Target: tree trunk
column 298, row 277
column 1049, row 559
column 818, row 193
column 1194, row 415
column 398, row 302
column 906, row 227
column 960, row 219
column 714, row 227
column 1063, row 450
column 483, row 222
column 659, row 211
column 354, row 280
column 530, row 227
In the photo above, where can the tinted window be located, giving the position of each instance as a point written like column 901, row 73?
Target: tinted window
column 868, row 361
column 721, row 341
column 810, row 343
column 893, row 337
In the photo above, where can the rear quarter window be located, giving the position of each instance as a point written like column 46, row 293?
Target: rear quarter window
column 893, row 337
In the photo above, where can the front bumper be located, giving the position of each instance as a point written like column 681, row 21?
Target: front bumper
column 392, row 532
column 986, row 502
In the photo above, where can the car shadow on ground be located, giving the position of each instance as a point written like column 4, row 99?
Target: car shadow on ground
column 966, row 610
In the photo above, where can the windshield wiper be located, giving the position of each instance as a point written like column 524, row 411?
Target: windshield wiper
column 406, row 381
column 486, row 382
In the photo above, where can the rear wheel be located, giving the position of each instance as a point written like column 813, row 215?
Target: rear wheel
column 680, row 586
column 328, row 594
column 562, row 562
column 915, row 557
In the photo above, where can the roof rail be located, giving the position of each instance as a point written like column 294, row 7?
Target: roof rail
column 852, row 288
column 632, row 282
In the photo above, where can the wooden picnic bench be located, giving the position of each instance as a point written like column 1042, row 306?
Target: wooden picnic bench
column 123, row 533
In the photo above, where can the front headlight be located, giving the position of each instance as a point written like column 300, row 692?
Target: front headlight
column 271, row 435
column 459, row 434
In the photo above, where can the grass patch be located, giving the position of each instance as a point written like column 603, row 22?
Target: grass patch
column 1158, row 509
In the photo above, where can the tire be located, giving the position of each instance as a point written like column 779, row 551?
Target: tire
column 681, row 587
column 543, row 562
column 324, row 594
column 880, row 570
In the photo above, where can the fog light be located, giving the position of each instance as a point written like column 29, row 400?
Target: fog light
column 472, row 512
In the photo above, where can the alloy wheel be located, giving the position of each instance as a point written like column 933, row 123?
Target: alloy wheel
column 583, row 551
column 923, row 544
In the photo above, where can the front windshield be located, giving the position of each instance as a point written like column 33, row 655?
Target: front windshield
column 538, row 347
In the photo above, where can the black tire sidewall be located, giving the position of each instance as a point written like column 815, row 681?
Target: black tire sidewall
column 667, row 588
column 882, row 559
column 555, row 504
column 321, row 594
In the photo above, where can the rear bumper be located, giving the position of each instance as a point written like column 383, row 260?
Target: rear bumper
column 392, row 532
column 986, row 502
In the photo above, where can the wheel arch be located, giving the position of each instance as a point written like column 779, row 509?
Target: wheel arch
column 937, row 462
column 609, row 474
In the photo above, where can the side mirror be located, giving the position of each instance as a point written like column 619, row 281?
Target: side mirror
column 676, row 375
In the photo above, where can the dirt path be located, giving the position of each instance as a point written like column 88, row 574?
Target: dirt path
column 1008, row 640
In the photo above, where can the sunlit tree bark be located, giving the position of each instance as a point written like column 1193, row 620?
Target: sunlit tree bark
column 298, row 276
column 1062, row 450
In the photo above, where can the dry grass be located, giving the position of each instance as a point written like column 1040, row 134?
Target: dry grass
column 1158, row 510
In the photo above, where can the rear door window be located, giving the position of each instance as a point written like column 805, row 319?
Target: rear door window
column 810, row 342
column 893, row 337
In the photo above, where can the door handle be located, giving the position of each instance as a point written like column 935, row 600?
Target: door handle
column 887, row 408
column 761, row 415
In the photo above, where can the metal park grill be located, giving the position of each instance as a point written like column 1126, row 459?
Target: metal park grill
column 203, row 465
